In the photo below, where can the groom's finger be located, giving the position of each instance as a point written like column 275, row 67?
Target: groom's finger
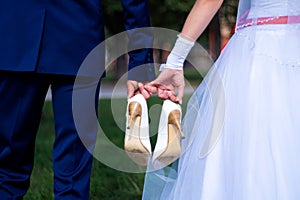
column 131, row 88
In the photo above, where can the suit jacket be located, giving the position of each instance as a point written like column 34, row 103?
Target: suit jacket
column 54, row 36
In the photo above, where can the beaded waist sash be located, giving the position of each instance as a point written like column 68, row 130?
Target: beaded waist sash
column 269, row 20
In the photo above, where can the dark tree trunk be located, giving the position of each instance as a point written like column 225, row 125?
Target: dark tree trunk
column 214, row 36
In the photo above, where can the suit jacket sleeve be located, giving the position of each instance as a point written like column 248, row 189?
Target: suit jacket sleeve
column 137, row 24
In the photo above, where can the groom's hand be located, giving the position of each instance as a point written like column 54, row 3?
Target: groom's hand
column 134, row 87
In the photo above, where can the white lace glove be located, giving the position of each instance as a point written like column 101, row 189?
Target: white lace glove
column 171, row 77
column 178, row 54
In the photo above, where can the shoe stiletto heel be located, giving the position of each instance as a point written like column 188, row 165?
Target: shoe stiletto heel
column 137, row 142
column 168, row 148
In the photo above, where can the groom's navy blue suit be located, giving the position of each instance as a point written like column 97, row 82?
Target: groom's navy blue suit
column 42, row 43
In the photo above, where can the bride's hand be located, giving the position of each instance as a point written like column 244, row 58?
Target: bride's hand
column 166, row 83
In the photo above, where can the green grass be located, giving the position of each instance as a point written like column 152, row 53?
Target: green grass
column 106, row 183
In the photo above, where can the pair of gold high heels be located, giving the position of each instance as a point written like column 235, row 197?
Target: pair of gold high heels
column 137, row 140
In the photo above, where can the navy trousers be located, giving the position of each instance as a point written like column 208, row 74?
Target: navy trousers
column 22, row 97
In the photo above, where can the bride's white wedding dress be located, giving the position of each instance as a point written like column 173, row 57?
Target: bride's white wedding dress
column 242, row 124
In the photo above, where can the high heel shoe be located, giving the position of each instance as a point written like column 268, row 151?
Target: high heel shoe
column 168, row 148
column 137, row 142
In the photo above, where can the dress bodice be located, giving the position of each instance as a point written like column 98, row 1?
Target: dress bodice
column 266, row 8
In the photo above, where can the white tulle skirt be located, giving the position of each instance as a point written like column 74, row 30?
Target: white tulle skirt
column 242, row 124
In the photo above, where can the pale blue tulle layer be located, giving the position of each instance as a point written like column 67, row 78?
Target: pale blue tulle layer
column 242, row 124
